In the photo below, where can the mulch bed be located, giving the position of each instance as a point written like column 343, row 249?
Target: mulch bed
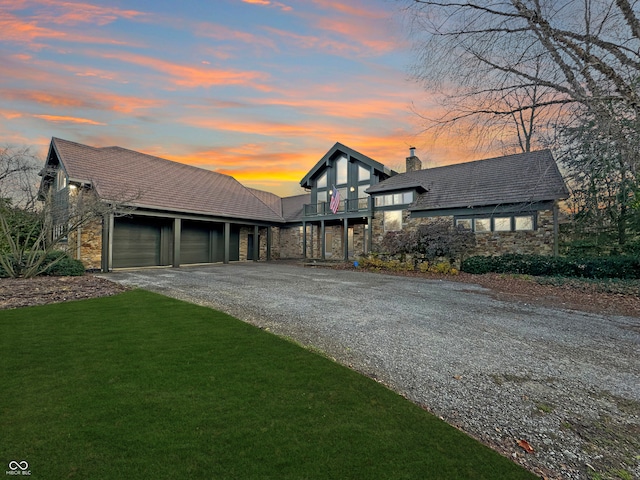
column 24, row 292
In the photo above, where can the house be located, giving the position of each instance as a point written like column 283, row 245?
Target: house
column 510, row 202
column 174, row 214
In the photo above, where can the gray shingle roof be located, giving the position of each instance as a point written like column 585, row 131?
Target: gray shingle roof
column 293, row 207
column 143, row 180
column 524, row 177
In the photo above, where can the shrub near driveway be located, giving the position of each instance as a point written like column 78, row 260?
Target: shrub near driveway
column 142, row 386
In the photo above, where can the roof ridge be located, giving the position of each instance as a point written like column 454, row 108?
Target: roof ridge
column 253, row 190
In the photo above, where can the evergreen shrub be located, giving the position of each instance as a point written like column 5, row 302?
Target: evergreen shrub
column 625, row 267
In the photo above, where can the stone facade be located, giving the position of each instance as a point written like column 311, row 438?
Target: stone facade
column 539, row 241
column 90, row 245
column 262, row 248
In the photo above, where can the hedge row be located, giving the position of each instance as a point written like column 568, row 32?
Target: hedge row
column 625, row 267
column 66, row 266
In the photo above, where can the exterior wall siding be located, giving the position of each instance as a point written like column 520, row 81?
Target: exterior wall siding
column 539, row 241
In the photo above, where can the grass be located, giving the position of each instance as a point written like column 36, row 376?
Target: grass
column 142, row 386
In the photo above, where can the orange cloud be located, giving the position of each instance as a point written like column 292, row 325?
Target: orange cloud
column 192, row 76
column 348, row 8
column 265, row 128
column 224, row 33
column 254, row 165
column 66, row 119
column 70, row 13
column 10, row 114
column 18, row 30
column 100, row 101
column 316, row 42
column 364, row 34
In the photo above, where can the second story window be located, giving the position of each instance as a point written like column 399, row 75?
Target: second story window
column 61, row 179
column 322, row 181
column 342, row 171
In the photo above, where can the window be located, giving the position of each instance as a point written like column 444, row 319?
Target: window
column 498, row 224
column 363, row 198
column 502, row 224
column 394, row 199
column 342, row 167
column 464, row 223
column 363, row 173
column 322, row 196
column 321, row 182
column 61, row 179
column 392, row 220
column 482, row 225
column 524, row 222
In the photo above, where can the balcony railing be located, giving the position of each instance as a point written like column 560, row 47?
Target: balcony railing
column 354, row 205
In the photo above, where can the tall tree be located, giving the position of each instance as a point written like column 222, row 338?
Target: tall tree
column 574, row 55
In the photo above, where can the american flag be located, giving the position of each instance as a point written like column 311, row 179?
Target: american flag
column 335, row 200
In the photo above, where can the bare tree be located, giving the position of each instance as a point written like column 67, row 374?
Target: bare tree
column 19, row 168
column 538, row 62
column 31, row 230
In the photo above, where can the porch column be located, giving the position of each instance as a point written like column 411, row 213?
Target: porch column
column 369, row 239
column 256, row 243
column 345, row 238
column 322, row 241
column 107, row 243
column 227, row 239
column 304, row 240
column 177, row 233
column 269, row 242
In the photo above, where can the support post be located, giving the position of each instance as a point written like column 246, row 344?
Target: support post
column 304, row 240
column 256, row 243
column 323, row 247
column 269, row 242
column 105, row 260
column 345, row 238
column 369, row 239
column 177, row 231
column 227, row 239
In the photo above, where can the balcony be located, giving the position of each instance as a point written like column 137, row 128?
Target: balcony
column 354, row 205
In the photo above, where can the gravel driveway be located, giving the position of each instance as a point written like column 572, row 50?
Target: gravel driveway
column 566, row 382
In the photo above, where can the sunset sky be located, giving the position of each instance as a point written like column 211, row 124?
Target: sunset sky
column 257, row 89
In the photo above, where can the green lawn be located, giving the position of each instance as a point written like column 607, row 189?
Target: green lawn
column 143, row 386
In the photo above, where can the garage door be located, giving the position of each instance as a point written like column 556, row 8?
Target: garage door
column 141, row 242
column 195, row 242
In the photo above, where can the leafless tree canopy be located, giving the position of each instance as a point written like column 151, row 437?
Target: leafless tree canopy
column 19, row 179
column 530, row 63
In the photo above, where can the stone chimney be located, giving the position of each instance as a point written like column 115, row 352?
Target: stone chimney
column 413, row 162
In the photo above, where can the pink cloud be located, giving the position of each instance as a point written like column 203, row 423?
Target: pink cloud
column 193, row 76
column 268, row 3
column 67, row 119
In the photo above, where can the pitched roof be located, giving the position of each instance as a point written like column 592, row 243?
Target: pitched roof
column 339, row 147
column 293, row 207
column 518, row 178
column 141, row 180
